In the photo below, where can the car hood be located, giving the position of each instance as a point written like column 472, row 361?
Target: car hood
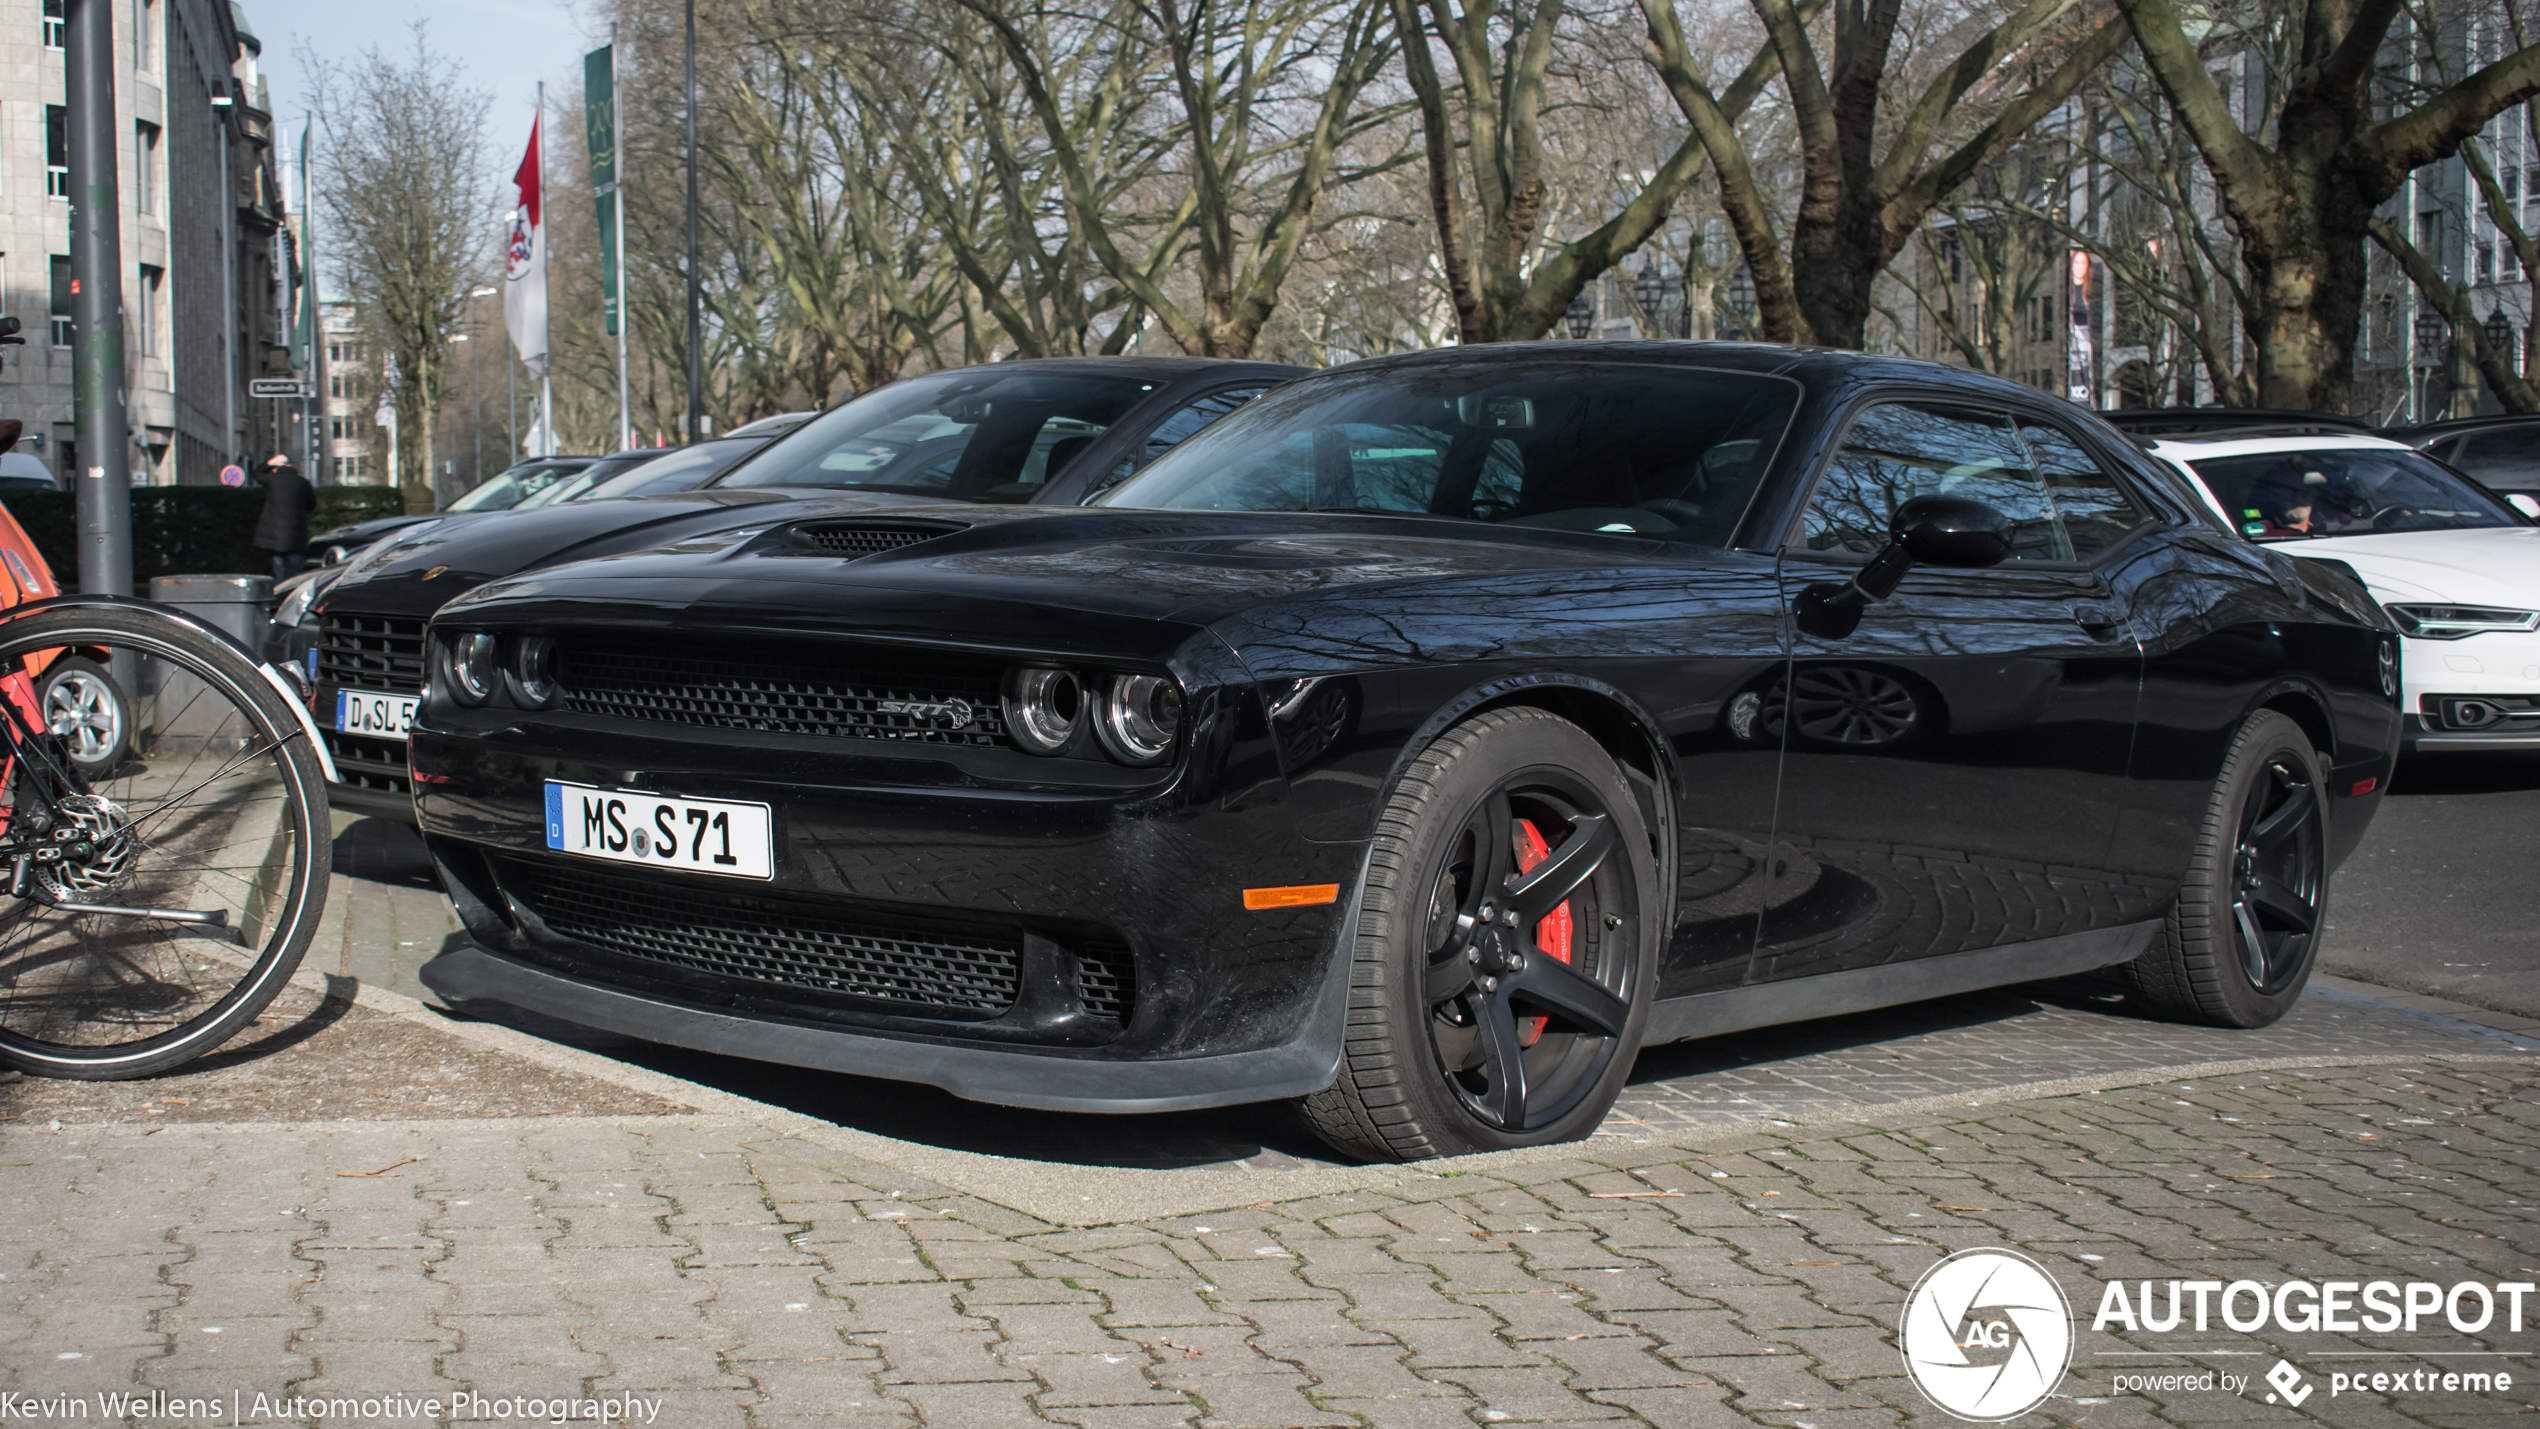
column 362, row 533
column 1135, row 582
column 466, row 550
column 2496, row 565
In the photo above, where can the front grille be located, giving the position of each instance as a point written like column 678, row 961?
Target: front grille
column 786, row 943
column 371, row 652
column 368, row 762
column 853, row 538
column 857, row 693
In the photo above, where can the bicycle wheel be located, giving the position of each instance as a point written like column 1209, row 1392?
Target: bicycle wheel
column 147, row 914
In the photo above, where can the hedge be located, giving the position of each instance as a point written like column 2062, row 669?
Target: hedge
column 188, row 530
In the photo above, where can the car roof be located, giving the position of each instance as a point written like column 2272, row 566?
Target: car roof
column 2146, row 422
column 2422, row 433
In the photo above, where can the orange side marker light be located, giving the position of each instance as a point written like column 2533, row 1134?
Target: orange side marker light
column 1303, row 895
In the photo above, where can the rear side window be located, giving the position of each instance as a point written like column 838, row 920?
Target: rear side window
column 2095, row 511
column 2511, row 452
column 1897, row 451
column 1177, row 428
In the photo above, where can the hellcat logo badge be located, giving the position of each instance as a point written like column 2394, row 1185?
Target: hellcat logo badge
column 954, row 714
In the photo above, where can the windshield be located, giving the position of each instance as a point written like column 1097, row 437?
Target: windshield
column 976, row 434
column 682, row 470
column 508, row 490
column 1626, row 448
column 2288, row 496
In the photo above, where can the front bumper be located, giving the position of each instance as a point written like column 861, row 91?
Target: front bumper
column 1305, row 1062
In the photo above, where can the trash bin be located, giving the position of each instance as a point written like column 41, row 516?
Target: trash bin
column 171, row 705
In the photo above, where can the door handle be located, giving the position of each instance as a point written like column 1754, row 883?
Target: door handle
column 2097, row 619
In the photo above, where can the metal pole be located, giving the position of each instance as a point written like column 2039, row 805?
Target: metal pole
column 617, row 165
column 476, row 398
column 97, row 358
column 696, row 321
column 228, row 290
column 547, row 361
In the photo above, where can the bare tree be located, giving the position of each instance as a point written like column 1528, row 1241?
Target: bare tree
column 408, row 215
column 2300, row 181
column 1858, row 208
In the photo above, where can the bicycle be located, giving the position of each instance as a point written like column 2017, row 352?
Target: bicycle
column 154, row 907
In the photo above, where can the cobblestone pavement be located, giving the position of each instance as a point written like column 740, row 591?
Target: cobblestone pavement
column 1734, row 1248
column 746, row 1275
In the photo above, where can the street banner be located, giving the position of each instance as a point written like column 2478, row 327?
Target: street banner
column 525, row 263
column 599, row 128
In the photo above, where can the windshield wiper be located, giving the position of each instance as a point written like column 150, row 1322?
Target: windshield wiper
column 1376, row 511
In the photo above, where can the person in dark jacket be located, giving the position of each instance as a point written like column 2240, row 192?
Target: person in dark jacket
column 283, row 530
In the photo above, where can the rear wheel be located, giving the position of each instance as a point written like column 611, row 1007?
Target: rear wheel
column 1505, row 949
column 2244, row 934
column 148, row 913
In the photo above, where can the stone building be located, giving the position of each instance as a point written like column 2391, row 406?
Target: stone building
column 204, row 275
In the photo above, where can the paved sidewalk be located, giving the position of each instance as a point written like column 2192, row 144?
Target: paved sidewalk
column 368, row 1199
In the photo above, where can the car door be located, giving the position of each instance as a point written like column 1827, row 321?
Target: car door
column 1952, row 770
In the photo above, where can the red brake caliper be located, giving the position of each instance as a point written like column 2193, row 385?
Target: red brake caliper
column 1552, row 935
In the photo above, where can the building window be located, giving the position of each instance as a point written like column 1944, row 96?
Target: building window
column 2513, row 187
column 141, row 46
column 61, row 301
column 145, row 168
column 2486, row 263
column 146, row 312
column 348, row 468
column 57, row 151
column 52, row 24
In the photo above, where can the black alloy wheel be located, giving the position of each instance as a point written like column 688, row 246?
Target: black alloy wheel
column 1505, row 956
column 1845, row 704
column 2242, row 938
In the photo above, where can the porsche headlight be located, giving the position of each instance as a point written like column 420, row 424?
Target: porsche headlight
column 533, row 671
column 1044, row 708
column 1140, row 718
column 471, row 666
column 295, row 606
column 2456, row 622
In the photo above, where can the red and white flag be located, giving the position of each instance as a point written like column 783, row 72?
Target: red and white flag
column 525, row 263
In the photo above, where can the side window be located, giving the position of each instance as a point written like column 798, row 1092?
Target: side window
column 1900, row 450
column 1176, row 429
column 2095, row 510
column 2514, row 451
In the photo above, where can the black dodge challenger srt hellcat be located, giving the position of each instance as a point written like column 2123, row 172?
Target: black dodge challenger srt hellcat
column 1419, row 741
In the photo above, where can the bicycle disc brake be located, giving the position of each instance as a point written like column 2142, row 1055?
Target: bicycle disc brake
column 96, row 843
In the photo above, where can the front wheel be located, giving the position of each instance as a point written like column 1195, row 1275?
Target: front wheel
column 149, row 911
column 1506, row 948
column 2242, row 938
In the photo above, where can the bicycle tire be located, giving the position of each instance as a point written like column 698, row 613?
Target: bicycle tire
column 88, row 995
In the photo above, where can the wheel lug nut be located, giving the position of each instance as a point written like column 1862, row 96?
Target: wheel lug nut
column 1472, row 955
column 1490, row 984
column 1516, row 962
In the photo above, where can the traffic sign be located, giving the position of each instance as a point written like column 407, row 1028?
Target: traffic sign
column 233, row 475
column 277, row 387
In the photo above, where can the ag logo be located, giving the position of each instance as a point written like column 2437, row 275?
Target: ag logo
column 1987, row 1334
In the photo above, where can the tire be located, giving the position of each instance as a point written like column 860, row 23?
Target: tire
column 1458, row 998
column 2243, row 935
column 88, row 710
column 222, row 817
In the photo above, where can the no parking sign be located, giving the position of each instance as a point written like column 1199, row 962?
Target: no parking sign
column 233, row 475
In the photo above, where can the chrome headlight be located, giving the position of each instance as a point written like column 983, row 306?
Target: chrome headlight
column 471, row 666
column 533, row 671
column 2456, row 622
column 1044, row 708
column 1141, row 718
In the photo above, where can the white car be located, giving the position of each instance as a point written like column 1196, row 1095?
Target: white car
column 2457, row 567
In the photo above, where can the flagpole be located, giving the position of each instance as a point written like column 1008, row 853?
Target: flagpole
column 617, row 177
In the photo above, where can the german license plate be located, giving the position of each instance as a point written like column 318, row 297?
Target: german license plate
column 363, row 712
column 718, row 836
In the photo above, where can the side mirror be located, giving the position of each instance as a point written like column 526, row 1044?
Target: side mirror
column 1932, row 530
column 2525, row 505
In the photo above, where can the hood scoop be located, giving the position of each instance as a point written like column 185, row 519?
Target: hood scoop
column 852, row 540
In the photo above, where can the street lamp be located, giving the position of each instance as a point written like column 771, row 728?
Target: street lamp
column 1742, row 299
column 2432, row 333
column 1581, row 315
column 1650, row 291
column 2500, row 335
